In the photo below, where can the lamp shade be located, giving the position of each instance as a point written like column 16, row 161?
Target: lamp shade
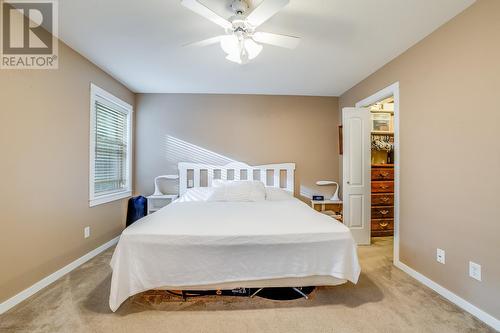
column 230, row 45
column 157, row 182
column 252, row 48
column 335, row 196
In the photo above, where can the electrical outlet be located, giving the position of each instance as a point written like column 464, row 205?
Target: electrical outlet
column 440, row 256
column 86, row 232
column 475, row 270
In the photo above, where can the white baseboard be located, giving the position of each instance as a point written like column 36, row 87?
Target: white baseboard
column 13, row 301
column 472, row 309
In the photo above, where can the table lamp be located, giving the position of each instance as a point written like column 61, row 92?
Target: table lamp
column 335, row 196
column 157, row 185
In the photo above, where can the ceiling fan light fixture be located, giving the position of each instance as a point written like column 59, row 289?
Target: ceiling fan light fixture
column 241, row 42
column 240, row 51
column 235, row 57
column 230, row 44
column 253, row 48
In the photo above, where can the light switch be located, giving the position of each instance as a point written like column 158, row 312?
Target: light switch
column 440, row 256
column 86, row 232
column 475, row 270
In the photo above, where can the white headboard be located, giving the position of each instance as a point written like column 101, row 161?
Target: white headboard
column 259, row 172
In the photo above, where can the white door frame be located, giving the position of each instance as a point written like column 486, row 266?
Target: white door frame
column 392, row 90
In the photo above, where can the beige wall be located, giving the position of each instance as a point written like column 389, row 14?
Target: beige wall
column 247, row 128
column 450, row 151
column 44, row 169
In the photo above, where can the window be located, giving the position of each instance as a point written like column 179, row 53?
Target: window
column 110, row 147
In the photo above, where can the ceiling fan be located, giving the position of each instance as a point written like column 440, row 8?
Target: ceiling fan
column 241, row 42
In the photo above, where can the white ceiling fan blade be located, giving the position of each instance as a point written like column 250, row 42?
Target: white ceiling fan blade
column 288, row 42
column 205, row 42
column 206, row 12
column 265, row 11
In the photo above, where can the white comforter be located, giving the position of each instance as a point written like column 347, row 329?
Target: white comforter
column 201, row 243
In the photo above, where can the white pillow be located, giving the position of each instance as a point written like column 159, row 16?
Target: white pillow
column 237, row 190
column 277, row 194
column 220, row 182
column 196, row 194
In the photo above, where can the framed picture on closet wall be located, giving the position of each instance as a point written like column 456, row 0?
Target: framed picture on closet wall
column 341, row 140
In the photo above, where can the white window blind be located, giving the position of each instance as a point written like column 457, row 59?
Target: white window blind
column 110, row 147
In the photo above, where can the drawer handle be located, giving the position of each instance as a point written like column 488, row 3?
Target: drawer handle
column 384, row 199
column 384, row 187
column 383, row 212
column 383, row 224
column 384, row 174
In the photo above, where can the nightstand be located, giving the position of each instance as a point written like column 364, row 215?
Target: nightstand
column 328, row 207
column 156, row 202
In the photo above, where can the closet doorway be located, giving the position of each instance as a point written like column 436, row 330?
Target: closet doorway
column 385, row 162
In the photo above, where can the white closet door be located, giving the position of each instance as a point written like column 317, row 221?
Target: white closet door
column 356, row 169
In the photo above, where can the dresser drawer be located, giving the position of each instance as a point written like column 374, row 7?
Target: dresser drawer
column 382, row 186
column 382, row 224
column 383, row 199
column 382, row 212
column 382, row 174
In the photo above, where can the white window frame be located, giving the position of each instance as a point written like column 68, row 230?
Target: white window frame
column 95, row 200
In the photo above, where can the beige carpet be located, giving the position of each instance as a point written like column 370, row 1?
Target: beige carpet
column 384, row 300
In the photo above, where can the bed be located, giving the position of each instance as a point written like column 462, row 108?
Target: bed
column 199, row 244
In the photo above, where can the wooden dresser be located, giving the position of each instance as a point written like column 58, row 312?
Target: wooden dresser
column 382, row 200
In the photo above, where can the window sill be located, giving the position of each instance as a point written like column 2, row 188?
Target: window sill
column 109, row 198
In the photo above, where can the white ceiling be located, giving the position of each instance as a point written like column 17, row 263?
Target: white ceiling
column 343, row 41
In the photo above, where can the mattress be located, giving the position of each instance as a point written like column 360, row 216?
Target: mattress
column 201, row 244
